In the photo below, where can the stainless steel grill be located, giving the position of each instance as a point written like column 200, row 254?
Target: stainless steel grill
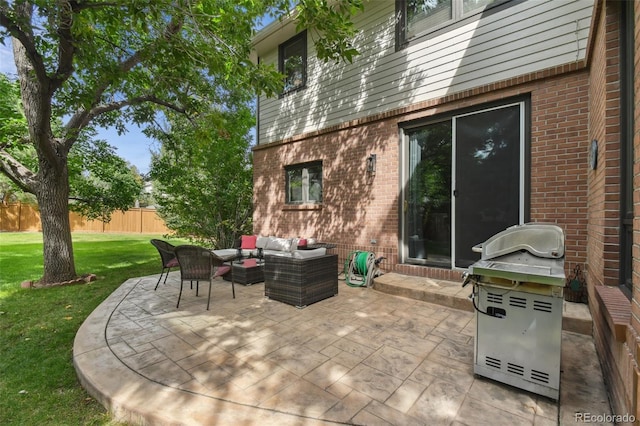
column 518, row 294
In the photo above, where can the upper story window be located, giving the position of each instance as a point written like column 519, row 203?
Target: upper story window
column 420, row 17
column 292, row 62
column 304, row 183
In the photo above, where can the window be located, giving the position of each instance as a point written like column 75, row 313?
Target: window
column 418, row 17
column 304, row 183
column 293, row 62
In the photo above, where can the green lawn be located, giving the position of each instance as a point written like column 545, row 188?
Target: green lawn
column 38, row 384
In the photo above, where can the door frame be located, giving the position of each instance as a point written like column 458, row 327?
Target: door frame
column 524, row 165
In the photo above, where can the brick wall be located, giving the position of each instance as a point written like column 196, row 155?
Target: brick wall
column 359, row 207
column 604, row 182
column 618, row 356
column 559, row 160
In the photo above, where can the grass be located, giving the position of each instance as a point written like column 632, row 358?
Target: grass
column 38, row 383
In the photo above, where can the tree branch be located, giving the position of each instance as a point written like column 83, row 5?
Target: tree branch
column 24, row 178
column 66, row 48
column 82, row 117
column 81, row 200
column 101, row 109
column 24, row 37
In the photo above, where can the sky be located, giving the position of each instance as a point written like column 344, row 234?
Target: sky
column 133, row 146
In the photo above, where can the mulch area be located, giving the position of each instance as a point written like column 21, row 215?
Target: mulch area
column 83, row 279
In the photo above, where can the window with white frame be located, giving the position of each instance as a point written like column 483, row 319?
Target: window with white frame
column 292, row 62
column 304, row 183
column 420, row 17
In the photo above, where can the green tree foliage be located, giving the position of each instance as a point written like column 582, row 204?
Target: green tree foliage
column 89, row 63
column 203, row 176
column 13, row 127
column 13, row 123
column 334, row 42
column 100, row 181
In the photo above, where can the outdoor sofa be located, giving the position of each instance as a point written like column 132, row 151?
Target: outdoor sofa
column 294, row 273
column 255, row 245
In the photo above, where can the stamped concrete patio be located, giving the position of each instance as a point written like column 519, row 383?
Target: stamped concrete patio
column 363, row 357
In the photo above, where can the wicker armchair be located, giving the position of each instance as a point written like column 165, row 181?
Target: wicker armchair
column 300, row 282
column 168, row 258
column 200, row 264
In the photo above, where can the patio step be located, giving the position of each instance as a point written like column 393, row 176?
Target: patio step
column 576, row 317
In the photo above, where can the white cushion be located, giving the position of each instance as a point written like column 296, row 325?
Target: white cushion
column 226, row 254
column 306, row 254
column 279, row 253
column 281, row 244
column 261, row 242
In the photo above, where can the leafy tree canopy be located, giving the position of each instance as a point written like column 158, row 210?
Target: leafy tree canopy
column 203, row 176
column 100, row 181
column 95, row 63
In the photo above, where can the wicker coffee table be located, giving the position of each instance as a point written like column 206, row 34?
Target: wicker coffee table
column 248, row 272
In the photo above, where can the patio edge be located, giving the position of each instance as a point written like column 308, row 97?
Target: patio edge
column 129, row 397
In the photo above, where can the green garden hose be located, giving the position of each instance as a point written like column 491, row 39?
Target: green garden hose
column 360, row 269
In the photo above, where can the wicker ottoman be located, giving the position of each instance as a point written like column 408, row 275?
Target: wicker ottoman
column 300, row 282
column 245, row 273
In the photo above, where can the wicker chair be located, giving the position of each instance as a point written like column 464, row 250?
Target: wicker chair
column 168, row 258
column 300, row 282
column 200, row 264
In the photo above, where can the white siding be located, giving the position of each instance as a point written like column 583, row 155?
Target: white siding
column 526, row 37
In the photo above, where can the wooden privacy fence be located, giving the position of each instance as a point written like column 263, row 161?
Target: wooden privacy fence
column 25, row 217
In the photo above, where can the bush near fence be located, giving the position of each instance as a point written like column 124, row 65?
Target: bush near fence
column 18, row 217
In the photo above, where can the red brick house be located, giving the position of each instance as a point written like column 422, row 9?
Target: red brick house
column 456, row 122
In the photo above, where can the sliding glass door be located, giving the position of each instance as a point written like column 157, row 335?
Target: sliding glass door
column 463, row 182
column 428, row 195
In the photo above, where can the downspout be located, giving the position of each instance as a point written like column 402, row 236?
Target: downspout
column 258, row 114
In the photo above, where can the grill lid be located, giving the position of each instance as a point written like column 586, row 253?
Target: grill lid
column 532, row 252
column 540, row 240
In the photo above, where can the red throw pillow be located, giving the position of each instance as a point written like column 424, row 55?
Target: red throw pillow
column 248, row 242
column 248, row 263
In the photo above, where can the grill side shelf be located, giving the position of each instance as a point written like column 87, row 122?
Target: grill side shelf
column 518, row 273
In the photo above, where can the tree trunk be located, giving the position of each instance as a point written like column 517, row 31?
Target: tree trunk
column 53, row 200
column 51, row 185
